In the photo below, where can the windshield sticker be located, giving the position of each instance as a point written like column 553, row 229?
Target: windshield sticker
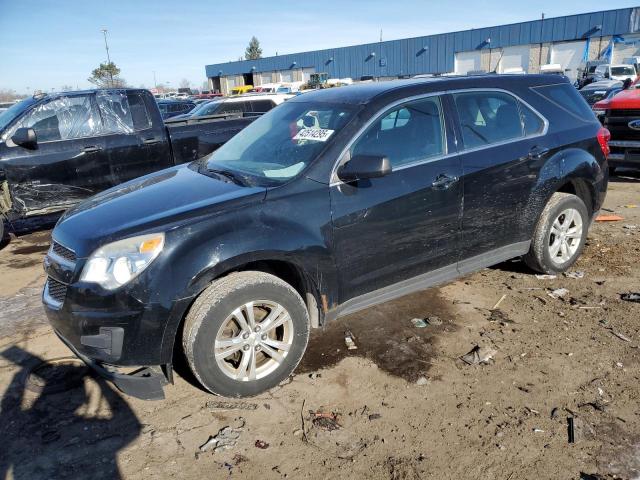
column 317, row 134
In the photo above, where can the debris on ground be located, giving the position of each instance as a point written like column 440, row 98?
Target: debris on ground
column 418, row 322
column 571, row 430
column 576, row 274
column 349, row 341
column 499, row 302
column 325, row 420
column 225, row 439
column 261, row 444
column 631, row 205
column 434, row 321
column 631, row 297
column 314, row 375
column 500, row 317
column 620, row 336
column 478, row 355
column 422, row 381
column 558, row 293
column 538, row 430
column 609, row 218
column 222, row 405
column 544, row 276
column 375, row 416
column 630, row 227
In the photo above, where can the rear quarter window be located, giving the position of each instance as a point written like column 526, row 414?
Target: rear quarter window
column 568, row 99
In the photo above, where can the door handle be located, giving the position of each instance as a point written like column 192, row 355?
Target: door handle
column 91, row 148
column 444, row 181
column 536, row 153
column 150, row 140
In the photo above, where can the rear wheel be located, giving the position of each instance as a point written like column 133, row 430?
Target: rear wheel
column 560, row 234
column 245, row 334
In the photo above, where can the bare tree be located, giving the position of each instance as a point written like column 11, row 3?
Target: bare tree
column 184, row 83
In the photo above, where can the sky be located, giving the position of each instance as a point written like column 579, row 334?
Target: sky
column 46, row 44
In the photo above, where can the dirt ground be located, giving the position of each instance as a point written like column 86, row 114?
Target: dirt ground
column 401, row 406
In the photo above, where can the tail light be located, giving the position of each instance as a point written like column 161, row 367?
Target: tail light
column 603, row 139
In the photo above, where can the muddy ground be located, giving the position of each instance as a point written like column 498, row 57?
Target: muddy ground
column 401, row 406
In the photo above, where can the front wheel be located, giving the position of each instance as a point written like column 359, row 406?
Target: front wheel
column 560, row 235
column 245, row 334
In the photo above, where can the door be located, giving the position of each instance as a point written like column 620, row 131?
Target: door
column 134, row 146
column 503, row 149
column 393, row 228
column 467, row 62
column 514, row 58
column 569, row 56
column 69, row 163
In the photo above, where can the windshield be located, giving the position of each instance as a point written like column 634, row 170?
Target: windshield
column 281, row 143
column 623, row 71
column 208, row 108
column 15, row 111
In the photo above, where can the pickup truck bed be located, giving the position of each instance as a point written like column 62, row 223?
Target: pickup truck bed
column 89, row 141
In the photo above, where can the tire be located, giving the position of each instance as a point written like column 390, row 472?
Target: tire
column 545, row 239
column 214, row 327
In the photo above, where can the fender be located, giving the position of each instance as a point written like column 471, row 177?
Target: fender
column 298, row 237
column 572, row 169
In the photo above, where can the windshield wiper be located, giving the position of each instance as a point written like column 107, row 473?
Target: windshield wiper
column 234, row 177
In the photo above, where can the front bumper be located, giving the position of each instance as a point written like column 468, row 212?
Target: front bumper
column 145, row 383
column 624, row 153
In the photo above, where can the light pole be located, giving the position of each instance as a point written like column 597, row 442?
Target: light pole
column 106, row 46
column 155, row 84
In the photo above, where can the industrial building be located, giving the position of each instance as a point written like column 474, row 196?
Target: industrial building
column 568, row 41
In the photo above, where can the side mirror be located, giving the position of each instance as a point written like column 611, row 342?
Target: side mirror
column 361, row 167
column 26, row 138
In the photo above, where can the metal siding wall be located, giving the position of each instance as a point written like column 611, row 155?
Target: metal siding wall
column 402, row 55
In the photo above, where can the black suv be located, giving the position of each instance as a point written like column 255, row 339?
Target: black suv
column 330, row 203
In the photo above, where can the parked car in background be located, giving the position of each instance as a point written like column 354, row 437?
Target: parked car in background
column 170, row 107
column 615, row 72
column 586, row 74
column 241, row 89
column 335, row 201
column 265, row 88
column 6, row 105
column 602, row 90
column 59, row 149
column 620, row 114
column 207, row 96
column 243, row 105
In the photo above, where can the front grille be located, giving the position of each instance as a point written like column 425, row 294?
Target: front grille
column 617, row 122
column 63, row 252
column 57, row 291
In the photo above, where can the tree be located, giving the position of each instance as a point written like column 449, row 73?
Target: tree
column 66, row 88
column 184, row 83
column 107, row 75
column 8, row 95
column 253, row 51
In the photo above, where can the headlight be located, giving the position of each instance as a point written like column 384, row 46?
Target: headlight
column 117, row 263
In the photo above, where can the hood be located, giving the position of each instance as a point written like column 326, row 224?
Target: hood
column 626, row 99
column 150, row 203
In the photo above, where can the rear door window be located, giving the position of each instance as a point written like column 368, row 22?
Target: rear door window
column 261, row 105
column 407, row 134
column 488, row 117
column 567, row 97
column 116, row 112
column 233, row 107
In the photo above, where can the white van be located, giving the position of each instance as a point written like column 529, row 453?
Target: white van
column 615, row 72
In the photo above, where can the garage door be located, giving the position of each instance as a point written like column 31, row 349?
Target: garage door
column 265, row 78
column 467, row 61
column 569, row 56
column 286, row 76
column 515, row 57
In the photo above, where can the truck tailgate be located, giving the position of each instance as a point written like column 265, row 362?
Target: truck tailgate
column 192, row 139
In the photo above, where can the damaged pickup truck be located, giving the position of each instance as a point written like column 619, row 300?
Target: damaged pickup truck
column 59, row 149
